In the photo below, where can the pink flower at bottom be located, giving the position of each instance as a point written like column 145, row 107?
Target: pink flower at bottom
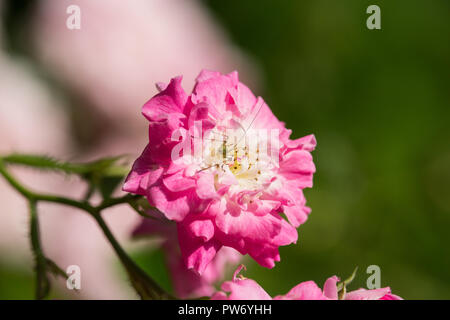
column 248, row 174
column 330, row 291
column 241, row 288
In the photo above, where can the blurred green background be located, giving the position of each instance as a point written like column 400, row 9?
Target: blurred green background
column 378, row 103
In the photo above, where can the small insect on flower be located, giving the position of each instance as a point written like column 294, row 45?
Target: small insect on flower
column 223, row 167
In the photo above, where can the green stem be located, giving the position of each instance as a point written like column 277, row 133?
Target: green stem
column 42, row 282
column 110, row 202
column 14, row 183
column 145, row 286
column 41, row 197
column 65, row 201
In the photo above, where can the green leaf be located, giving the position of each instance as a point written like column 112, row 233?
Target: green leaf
column 105, row 166
column 44, row 162
column 342, row 286
column 102, row 164
column 107, row 185
column 141, row 206
column 104, row 174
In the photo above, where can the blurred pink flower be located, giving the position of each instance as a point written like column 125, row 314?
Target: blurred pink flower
column 32, row 121
column 224, row 198
column 186, row 283
column 123, row 47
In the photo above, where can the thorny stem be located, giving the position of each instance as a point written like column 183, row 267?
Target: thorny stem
column 43, row 284
column 144, row 285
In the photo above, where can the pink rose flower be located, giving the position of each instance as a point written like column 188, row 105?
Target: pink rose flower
column 247, row 289
column 186, row 283
column 233, row 194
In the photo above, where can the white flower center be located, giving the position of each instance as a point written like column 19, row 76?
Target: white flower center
column 240, row 153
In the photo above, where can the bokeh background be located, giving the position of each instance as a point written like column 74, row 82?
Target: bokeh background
column 377, row 101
